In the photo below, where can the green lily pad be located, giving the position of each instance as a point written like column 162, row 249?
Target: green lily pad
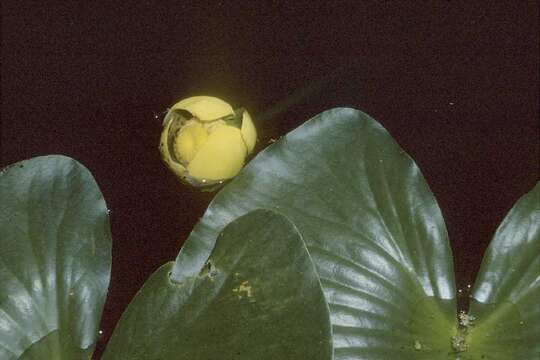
column 506, row 295
column 257, row 297
column 328, row 245
column 371, row 225
column 55, row 259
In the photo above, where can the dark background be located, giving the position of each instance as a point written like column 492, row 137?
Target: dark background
column 455, row 84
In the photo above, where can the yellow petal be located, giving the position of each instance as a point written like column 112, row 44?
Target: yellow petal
column 221, row 157
column 188, row 141
column 249, row 134
column 205, row 108
column 175, row 167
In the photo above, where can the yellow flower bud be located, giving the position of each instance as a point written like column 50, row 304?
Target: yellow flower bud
column 204, row 141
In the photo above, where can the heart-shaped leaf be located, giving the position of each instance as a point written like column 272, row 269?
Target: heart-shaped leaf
column 360, row 267
column 55, row 258
column 371, row 225
column 257, row 297
column 506, row 295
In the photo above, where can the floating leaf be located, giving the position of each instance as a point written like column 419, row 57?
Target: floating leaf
column 506, row 295
column 55, row 258
column 328, row 245
column 371, row 225
column 257, row 297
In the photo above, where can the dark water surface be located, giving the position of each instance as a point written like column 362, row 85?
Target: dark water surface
column 457, row 86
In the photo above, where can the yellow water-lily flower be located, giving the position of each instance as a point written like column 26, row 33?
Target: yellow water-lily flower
column 205, row 141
